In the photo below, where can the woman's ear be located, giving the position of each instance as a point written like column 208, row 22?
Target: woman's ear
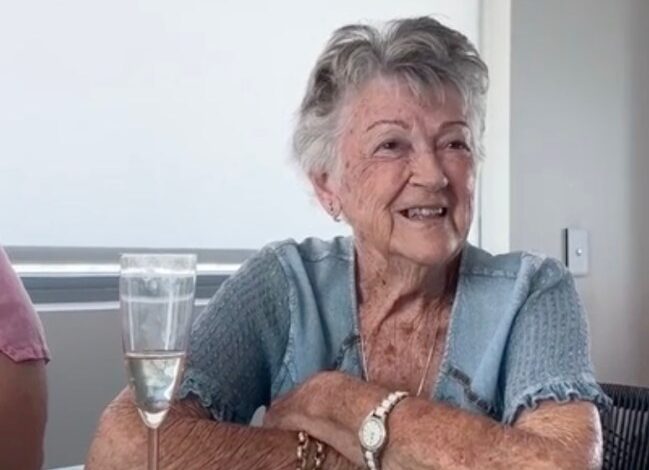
column 326, row 192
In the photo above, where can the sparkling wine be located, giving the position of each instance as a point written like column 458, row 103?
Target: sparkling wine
column 154, row 377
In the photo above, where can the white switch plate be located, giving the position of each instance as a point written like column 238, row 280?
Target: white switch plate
column 577, row 251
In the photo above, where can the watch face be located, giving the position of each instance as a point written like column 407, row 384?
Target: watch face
column 372, row 434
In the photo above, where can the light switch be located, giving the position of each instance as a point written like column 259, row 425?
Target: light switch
column 577, row 251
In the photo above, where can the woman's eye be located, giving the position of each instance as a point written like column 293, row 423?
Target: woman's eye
column 390, row 148
column 389, row 145
column 459, row 145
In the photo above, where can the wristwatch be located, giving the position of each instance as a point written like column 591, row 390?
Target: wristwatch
column 373, row 432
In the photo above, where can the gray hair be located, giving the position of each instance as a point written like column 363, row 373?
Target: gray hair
column 421, row 51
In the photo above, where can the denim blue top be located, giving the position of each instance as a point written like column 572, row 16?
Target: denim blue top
column 517, row 334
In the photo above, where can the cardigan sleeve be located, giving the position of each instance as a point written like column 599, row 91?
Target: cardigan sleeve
column 238, row 342
column 548, row 352
column 21, row 333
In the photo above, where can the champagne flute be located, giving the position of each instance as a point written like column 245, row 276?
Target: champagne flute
column 156, row 300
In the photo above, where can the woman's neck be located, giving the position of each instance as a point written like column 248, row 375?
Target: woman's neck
column 387, row 285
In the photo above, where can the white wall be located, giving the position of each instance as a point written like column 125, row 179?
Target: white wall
column 85, row 374
column 495, row 200
column 580, row 158
column 162, row 123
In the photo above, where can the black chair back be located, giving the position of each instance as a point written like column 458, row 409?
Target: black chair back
column 625, row 428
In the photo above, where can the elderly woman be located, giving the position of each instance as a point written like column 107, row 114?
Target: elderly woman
column 402, row 347
column 23, row 394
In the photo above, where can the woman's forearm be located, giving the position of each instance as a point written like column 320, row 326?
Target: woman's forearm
column 429, row 435
column 190, row 441
column 432, row 435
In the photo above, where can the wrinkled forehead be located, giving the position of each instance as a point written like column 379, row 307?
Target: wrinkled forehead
column 393, row 97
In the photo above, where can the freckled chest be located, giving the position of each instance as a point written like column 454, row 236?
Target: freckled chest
column 402, row 354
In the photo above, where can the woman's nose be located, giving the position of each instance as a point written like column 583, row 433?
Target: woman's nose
column 427, row 172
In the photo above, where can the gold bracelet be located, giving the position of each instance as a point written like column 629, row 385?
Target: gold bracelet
column 302, row 450
column 319, row 457
column 303, row 447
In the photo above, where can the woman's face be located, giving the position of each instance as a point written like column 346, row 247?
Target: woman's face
column 407, row 174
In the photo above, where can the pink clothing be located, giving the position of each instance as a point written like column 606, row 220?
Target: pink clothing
column 21, row 332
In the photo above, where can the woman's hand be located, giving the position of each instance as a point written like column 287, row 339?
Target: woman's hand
column 299, row 409
column 322, row 406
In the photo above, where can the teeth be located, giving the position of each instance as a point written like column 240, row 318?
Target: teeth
column 424, row 212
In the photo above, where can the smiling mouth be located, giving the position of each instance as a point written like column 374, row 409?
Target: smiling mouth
column 424, row 213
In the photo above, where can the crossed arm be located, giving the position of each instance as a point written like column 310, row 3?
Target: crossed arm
column 330, row 406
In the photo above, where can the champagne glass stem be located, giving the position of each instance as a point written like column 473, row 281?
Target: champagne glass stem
column 153, row 448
